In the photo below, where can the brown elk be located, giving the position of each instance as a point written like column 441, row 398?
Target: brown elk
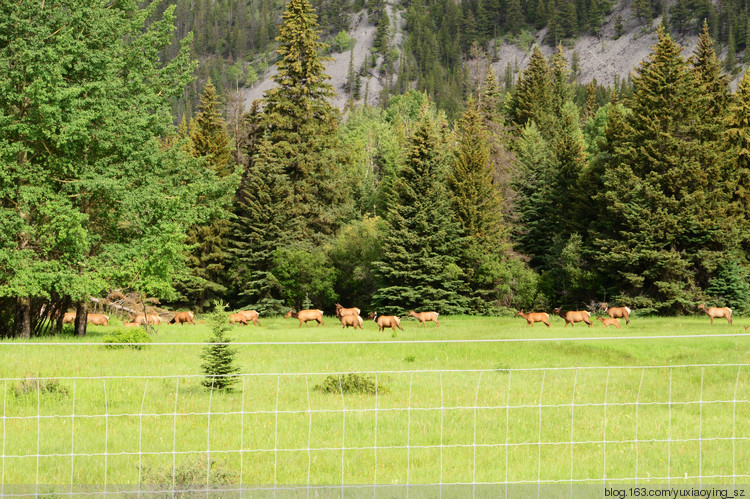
column 572, row 317
column 251, row 315
column 610, row 322
column 384, row 321
column 342, row 312
column 238, row 317
column 306, row 316
column 142, row 319
column 717, row 312
column 423, row 317
column 616, row 312
column 533, row 317
column 129, row 324
column 97, row 319
column 69, row 318
column 351, row 320
column 183, row 317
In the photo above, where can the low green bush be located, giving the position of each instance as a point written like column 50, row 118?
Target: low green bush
column 352, row 383
column 130, row 335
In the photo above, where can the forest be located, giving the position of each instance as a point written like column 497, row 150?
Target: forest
column 535, row 194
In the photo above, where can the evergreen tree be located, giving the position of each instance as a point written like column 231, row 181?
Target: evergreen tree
column 206, row 260
column 476, row 203
column 301, row 125
column 420, row 248
column 218, row 357
column 668, row 223
column 737, row 146
column 531, row 99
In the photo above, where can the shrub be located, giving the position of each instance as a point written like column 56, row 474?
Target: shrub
column 352, row 383
column 131, row 335
column 191, row 471
column 218, row 357
column 31, row 385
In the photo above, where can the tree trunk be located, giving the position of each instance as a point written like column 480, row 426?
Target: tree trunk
column 82, row 309
column 23, row 317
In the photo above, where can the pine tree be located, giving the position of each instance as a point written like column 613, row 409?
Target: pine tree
column 476, row 203
column 420, row 248
column 301, row 125
column 218, row 357
column 667, row 220
column 208, row 140
column 737, row 146
column 531, row 100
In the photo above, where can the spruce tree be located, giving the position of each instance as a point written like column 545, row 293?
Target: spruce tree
column 531, row 99
column 476, row 203
column 666, row 218
column 421, row 245
column 301, row 125
column 737, row 147
column 218, row 357
column 207, row 258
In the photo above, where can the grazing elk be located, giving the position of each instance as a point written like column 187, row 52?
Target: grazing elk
column 129, row 324
column 343, row 312
column 142, row 319
column 351, row 320
column 717, row 312
column 251, row 315
column 610, row 322
column 306, row 316
column 97, row 319
column 69, row 318
column 238, row 317
column 384, row 321
column 572, row 317
column 423, row 317
column 533, row 317
column 616, row 312
column 183, row 317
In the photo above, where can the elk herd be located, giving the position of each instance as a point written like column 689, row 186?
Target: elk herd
column 352, row 317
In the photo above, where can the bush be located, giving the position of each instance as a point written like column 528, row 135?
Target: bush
column 191, row 471
column 31, row 385
column 342, row 42
column 131, row 335
column 351, row 383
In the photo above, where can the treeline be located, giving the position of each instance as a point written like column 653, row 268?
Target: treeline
column 527, row 200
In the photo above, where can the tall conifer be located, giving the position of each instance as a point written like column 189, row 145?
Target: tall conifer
column 420, row 249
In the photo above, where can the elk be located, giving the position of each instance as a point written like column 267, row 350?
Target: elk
column 610, row 322
column 306, row 316
column 351, row 320
column 423, row 317
column 183, row 317
column 142, row 319
column 717, row 312
column 97, row 319
column 129, row 324
column 572, row 317
column 342, row 312
column 384, row 321
column 238, row 317
column 616, row 312
column 533, row 317
column 69, row 318
column 251, row 315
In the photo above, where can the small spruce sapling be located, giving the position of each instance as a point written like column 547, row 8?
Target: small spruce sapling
column 218, row 356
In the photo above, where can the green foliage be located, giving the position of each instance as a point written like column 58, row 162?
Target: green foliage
column 343, row 42
column 352, row 383
column 218, row 357
column 421, row 245
column 130, row 335
column 191, row 470
column 730, row 287
column 304, row 274
column 32, row 386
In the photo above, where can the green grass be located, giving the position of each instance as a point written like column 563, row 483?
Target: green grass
column 441, row 402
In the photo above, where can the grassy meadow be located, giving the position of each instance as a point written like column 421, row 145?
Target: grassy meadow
column 556, row 411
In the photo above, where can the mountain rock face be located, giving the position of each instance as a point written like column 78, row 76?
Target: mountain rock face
column 605, row 57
